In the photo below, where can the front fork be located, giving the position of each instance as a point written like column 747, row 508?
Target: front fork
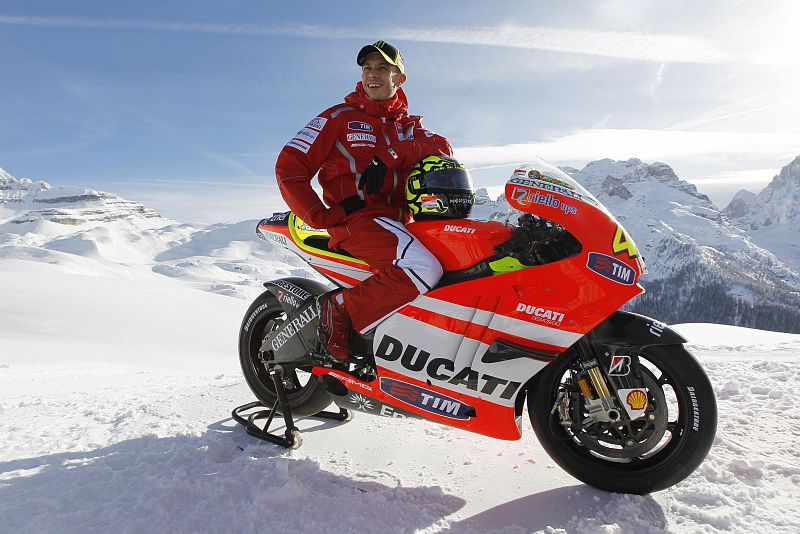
column 598, row 385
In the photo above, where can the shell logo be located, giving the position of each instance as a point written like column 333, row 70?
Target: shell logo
column 636, row 399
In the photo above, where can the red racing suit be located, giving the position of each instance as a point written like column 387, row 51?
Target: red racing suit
column 336, row 146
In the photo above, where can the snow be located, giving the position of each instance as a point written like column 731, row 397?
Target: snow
column 118, row 372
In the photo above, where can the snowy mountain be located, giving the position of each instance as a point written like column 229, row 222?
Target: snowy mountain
column 23, row 202
column 700, row 266
column 772, row 217
column 95, row 233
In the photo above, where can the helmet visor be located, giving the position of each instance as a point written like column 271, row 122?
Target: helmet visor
column 448, row 180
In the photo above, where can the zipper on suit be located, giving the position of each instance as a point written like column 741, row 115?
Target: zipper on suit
column 394, row 171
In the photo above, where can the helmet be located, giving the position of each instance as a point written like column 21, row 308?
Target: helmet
column 439, row 187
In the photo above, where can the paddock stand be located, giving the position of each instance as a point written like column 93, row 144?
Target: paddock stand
column 291, row 438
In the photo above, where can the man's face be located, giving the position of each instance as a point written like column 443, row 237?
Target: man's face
column 380, row 78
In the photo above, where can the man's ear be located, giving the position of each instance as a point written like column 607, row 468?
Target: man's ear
column 401, row 80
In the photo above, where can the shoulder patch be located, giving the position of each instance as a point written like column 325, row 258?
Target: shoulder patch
column 299, row 145
column 317, row 123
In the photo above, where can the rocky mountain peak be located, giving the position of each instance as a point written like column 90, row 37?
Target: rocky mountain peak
column 37, row 201
column 777, row 203
column 10, row 183
column 614, row 177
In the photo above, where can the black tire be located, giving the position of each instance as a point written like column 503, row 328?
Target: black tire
column 263, row 316
column 688, row 436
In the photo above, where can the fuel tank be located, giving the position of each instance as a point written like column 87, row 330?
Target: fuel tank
column 460, row 243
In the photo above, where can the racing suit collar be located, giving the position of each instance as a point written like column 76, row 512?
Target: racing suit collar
column 393, row 108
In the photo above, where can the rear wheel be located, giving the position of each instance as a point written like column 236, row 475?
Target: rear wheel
column 647, row 454
column 304, row 392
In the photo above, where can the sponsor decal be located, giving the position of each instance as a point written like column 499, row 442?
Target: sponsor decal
column 317, row 123
column 278, row 216
column 388, row 411
column 443, row 369
column 611, row 268
column 361, row 402
column 404, row 133
column 253, row 316
column 542, row 315
column 636, row 399
column 426, row 399
column 358, row 125
column 392, row 153
column 525, row 196
column 297, row 291
column 657, row 328
column 520, row 172
column 350, row 380
column 408, row 133
column 620, row 366
column 299, row 145
column 536, row 175
column 361, row 137
column 354, row 145
column 552, row 187
column 458, row 229
column 308, row 135
column 695, row 409
column 278, row 238
column 430, row 202
column 289, row 329
column 288, row 298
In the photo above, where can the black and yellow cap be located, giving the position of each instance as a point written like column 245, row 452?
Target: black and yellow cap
column 390, row 54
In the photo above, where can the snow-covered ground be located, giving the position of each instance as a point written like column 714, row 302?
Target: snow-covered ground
column 118, row 371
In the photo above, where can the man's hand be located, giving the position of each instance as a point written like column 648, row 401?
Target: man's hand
column 372, row 176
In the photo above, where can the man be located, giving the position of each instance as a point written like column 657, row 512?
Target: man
column 363, row 150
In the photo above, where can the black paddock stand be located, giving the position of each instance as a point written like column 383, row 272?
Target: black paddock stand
column 291, row 438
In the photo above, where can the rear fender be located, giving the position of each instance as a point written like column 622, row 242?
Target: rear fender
column 296, row 337
column 293, row 291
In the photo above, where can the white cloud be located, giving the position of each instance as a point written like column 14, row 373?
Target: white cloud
column 649, row 145
column 615, row 44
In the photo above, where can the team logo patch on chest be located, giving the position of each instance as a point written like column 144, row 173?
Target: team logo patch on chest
column 369, row 138
column 359, row 126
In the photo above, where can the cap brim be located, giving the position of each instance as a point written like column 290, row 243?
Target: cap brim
column 371, row 49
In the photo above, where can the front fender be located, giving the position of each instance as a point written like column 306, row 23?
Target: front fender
column 293, row 291
column 627, row 328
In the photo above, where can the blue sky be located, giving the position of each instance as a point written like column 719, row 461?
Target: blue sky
column 185, row 105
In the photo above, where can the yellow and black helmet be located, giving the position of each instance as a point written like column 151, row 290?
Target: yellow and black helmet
column 439, row 187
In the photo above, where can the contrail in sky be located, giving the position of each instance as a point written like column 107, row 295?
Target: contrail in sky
column 624, row 45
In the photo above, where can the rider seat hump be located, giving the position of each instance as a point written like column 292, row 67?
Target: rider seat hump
column 458, row 243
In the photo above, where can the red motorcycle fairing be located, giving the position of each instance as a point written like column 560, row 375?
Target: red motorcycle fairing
column 433, row 348
column 396, row 394
column 460, row 243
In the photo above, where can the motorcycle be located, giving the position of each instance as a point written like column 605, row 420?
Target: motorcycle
column 526, row 314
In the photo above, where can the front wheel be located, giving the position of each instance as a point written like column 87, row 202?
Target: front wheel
column 304, row 392
column 641, row 456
